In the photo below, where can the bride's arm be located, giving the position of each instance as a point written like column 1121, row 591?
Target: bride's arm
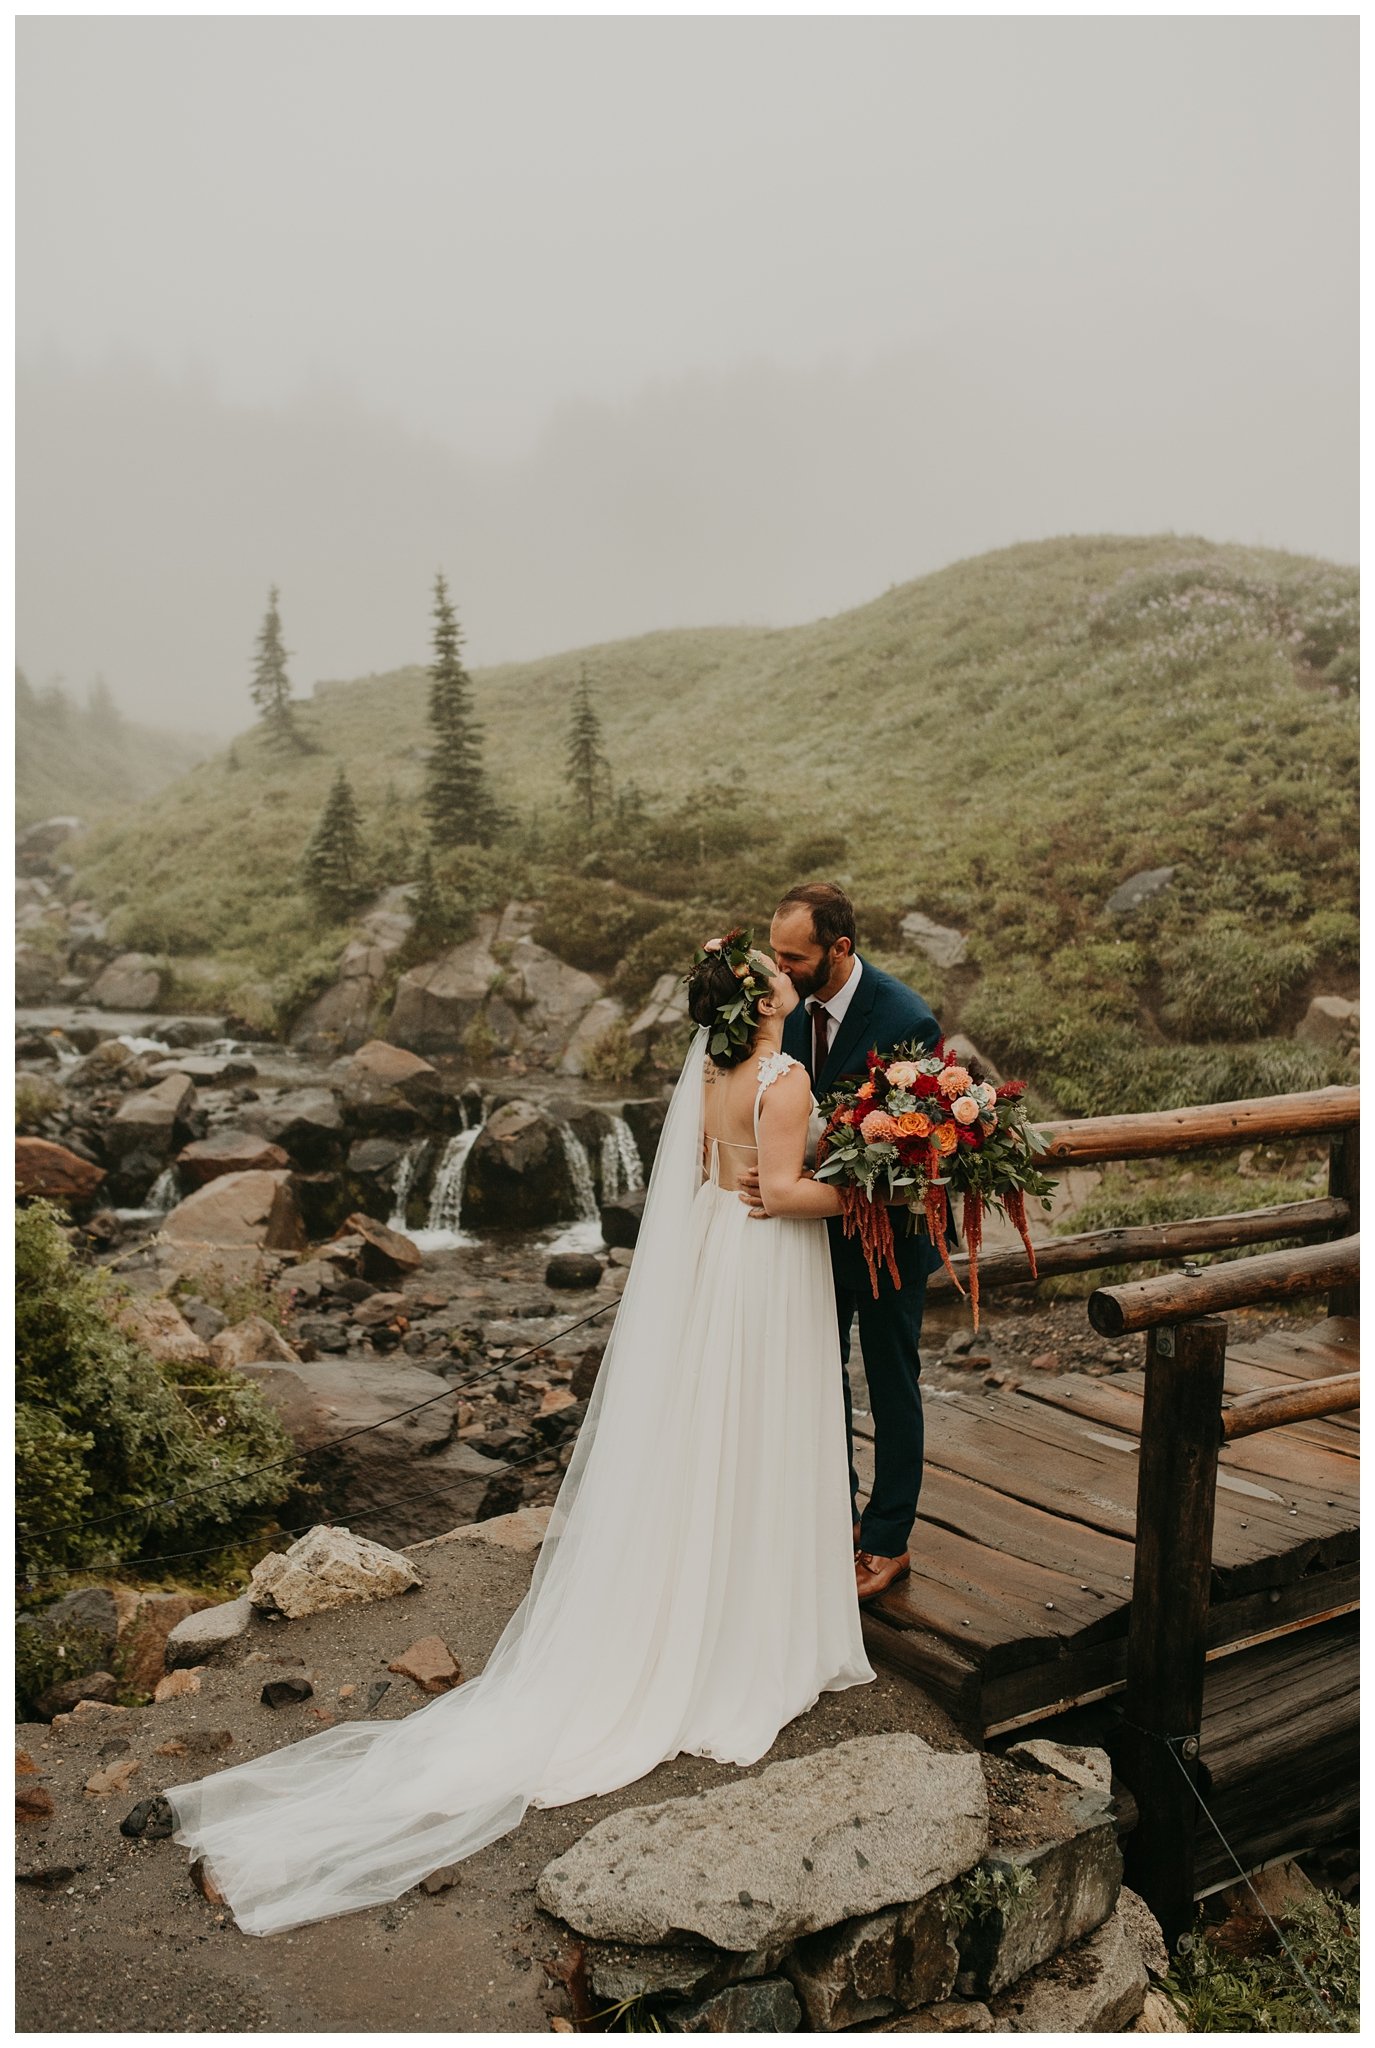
column 785, row 1186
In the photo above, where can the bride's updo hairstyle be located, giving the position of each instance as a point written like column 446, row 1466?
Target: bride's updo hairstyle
column 724, row 988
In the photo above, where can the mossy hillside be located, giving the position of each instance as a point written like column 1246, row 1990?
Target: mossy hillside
column 999, row 744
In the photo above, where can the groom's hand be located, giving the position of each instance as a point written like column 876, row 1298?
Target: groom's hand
column 749, row 1192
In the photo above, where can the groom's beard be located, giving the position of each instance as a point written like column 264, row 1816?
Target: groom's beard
column 808, row 984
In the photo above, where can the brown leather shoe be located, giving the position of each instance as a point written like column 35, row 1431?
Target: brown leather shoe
column 874, row 1575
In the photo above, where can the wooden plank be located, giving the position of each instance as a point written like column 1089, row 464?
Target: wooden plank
column 1027, row 1451
column 987, row 1515
column 1281, row 1742
column 1197, row 1127
column 1277, row 1407
column 1128, row 1245
column 953, row 1681
column 1238, row 1283
column 1032, row 1693
column 1116, row 1402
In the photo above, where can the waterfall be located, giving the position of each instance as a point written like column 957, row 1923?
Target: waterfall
column 446, row 1196
column 622, row 1173
column 405, row 1180
column 443, row 1231
column 67, row 1054
column 586, row 1234
column 164, row 1194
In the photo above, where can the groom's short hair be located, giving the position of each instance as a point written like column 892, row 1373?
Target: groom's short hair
column 833, row 914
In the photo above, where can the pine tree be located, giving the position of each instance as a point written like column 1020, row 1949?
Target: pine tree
column 457, row 801
column 332, row 862
column 589, row 771
column 101, row 709
column 270, row 688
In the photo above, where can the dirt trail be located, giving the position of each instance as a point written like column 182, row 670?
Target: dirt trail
column 126, row 1944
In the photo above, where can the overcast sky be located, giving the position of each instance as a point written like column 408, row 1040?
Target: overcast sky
column 557, row 259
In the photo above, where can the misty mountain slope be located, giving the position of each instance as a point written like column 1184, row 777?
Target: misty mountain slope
column 999, row 744
column 87, row 760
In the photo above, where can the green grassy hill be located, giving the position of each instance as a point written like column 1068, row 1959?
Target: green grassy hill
column 999, row 745
column 87, row 760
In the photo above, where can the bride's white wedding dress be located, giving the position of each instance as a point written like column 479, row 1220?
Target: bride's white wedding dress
column 695, row 1590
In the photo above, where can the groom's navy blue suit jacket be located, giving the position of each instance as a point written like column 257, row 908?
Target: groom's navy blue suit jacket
column 883, row 1013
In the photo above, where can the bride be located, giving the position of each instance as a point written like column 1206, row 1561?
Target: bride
column 695, row 1590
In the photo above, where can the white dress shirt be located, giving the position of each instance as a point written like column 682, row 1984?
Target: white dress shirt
column 836, row 1005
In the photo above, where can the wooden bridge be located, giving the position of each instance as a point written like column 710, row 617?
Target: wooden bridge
column 1167, row 1556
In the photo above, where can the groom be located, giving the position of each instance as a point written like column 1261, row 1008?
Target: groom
column 849, row 1008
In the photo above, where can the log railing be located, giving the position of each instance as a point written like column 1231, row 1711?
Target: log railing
column 1185, row 1422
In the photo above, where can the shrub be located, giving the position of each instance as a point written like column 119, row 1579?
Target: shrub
column 35, row 1098
column 592, row 924
column 666, row 949
column 104, row 1430
column 813, row 858
column 1335, row 936
column 613, row 1056
column 1223, row 981
column 1217, row 1991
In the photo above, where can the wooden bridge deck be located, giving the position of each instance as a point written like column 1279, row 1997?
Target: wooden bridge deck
column 1017, row 1606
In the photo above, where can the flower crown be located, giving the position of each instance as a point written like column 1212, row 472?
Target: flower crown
column 737, row 1018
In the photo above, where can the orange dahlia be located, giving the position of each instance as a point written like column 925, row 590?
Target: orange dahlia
column 878, row 1126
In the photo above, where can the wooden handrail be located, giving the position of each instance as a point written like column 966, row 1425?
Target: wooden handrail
column 1240, row 1283
column 1323, row 1217
column 1272, row 1407
column 1094, row 1138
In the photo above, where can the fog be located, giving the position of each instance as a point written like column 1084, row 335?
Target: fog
column 639, row 323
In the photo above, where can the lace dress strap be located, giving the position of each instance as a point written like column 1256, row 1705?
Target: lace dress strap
column 771, row 1066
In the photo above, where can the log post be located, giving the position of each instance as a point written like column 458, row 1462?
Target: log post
column 1162, row 1707
column 1344, row 1182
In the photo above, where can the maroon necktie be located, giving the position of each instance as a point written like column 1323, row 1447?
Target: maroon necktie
column 820, row 1019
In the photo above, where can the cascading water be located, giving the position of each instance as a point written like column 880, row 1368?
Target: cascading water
column 444, row 1226
column 622, row 1172
column 165, row 1193
column 586, row 1234
column 405, row 1181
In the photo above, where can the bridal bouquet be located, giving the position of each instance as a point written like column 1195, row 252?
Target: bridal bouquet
column 921, row 1127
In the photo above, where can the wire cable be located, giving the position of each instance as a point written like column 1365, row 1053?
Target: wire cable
column 127, row 1564
column 1308, row 1985
column 451, row 1387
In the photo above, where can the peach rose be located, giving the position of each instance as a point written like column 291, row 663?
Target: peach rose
column 954, row 1080
column 878, row 1126
column 903, row 1074
column 914, row 1125
column 945, row 1138
column 865, row 1092
column 964, row 1109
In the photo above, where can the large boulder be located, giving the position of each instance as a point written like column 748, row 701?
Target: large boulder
column 1330, row 1021
column 550, row 997
column 438, row 1001
column 206, row 1070
column 150, row 1121
column 159, row 1328
column 385, row 1088
column 41, row 1168
column 1138, row 889
column 254, row 1341
column 343, row 1017
column 664, row 1013
column 44, row 838
column 519, row 1176
column 875, row 1822
column 131, row 982
column 239, row 1209
column 590, row 1027
column 328, row 1568
column 306, row 1122
column 37, row 973
column 941, row 943
column 384, row 1254
column 227, row 1151
column 319, row 1401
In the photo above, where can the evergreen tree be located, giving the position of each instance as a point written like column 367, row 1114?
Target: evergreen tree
column 589, row 771
column 270, row 689
column 332, row 863
column 457, row 801
column 102, row 710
